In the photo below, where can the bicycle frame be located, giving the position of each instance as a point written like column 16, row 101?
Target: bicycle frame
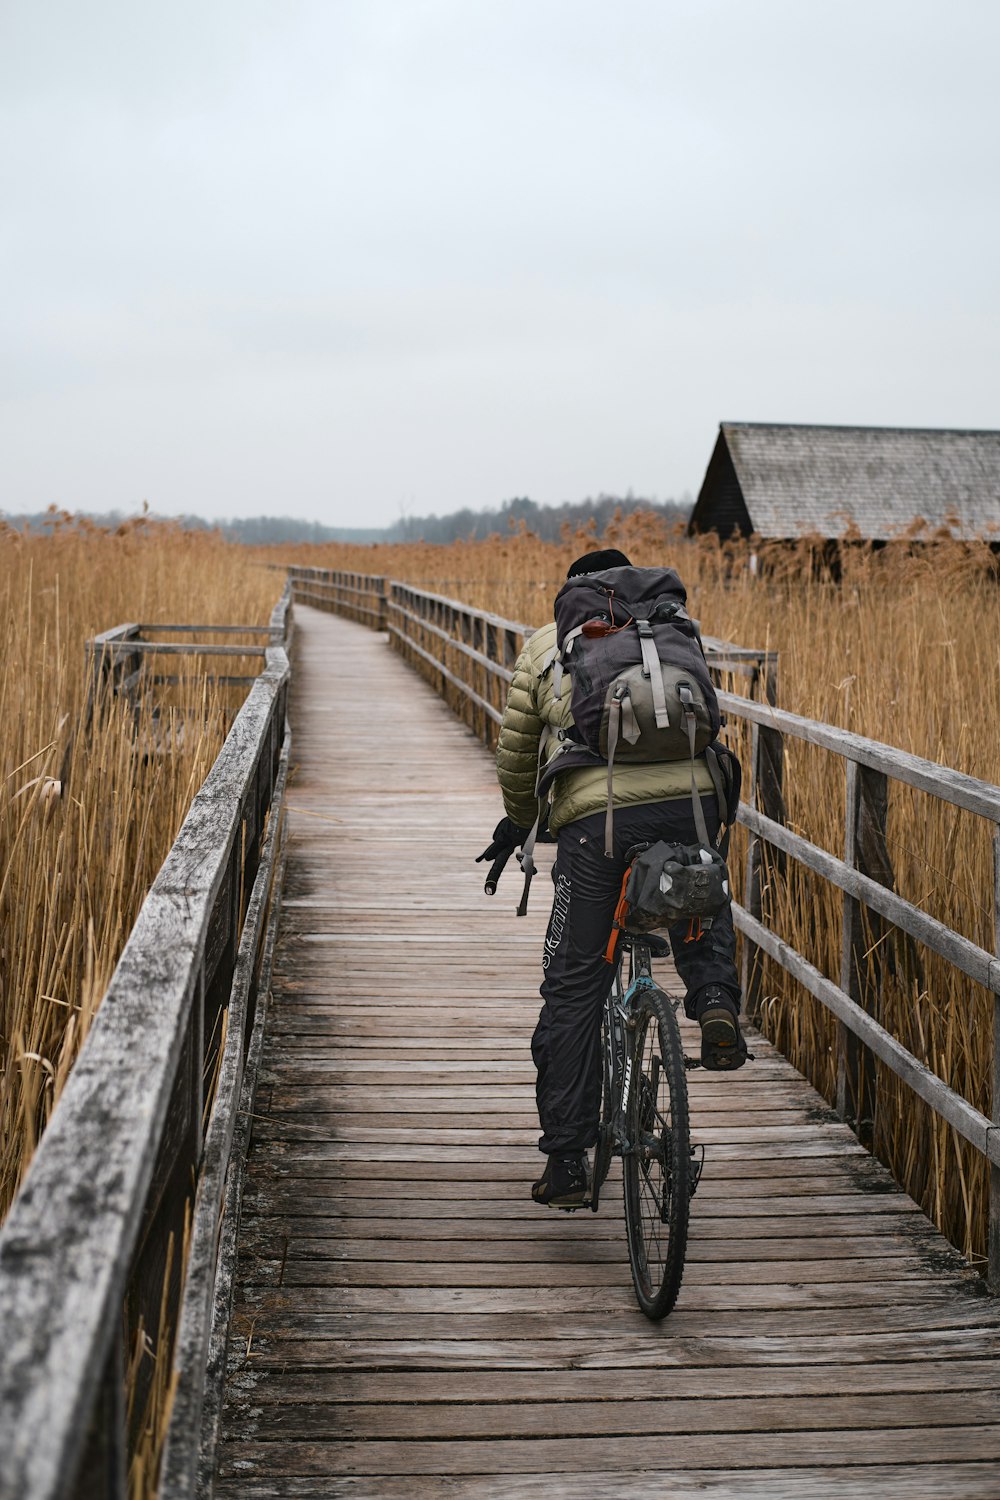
column 616, row 1050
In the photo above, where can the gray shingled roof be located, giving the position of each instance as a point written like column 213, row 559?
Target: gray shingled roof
column 819, row 479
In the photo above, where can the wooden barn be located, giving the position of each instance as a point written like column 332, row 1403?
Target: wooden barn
column 782, row 481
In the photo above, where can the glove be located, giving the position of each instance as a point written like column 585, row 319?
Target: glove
column 506, row 837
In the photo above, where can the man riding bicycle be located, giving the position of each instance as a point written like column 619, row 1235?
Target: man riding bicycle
column 651, row 801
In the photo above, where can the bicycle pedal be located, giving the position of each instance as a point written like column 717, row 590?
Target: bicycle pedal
column 691, row 1062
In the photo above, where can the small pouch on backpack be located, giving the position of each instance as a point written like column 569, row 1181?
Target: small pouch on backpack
column 670, row 883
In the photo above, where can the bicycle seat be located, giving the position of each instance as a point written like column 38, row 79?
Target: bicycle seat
column 636, row 849
column 658, row 946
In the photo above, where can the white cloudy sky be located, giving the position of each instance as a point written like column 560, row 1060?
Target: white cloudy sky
column 343, row 259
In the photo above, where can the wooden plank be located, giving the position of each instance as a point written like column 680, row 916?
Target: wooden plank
column 818, row 1481
column 318, row 1421
column 289, row 1323
column 383, row 1387
column 288, row 1199
column 625, row 1350
column 301, row 1298
column 164, row 648
column 551, row 1249
column 580, row 1453
column 268, row 630
column 882, row 1276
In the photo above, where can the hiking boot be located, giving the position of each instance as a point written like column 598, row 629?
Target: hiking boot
column 722, row 1046
column 565, row 1183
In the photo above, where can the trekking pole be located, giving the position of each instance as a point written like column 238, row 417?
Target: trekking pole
column 528, row 866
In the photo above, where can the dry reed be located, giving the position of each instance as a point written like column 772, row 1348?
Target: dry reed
column 76, row 861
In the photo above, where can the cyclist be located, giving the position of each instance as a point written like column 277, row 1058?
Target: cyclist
column 652, row 801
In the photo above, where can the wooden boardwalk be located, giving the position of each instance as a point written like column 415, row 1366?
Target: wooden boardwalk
column 410, row 1324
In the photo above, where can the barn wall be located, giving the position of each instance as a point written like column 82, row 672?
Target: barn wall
column 720, row 505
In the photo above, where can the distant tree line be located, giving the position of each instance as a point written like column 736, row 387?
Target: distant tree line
column 252, row 530
column 548, row 522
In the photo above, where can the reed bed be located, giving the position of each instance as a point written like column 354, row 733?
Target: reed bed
column 900, row 644
column 86, row 818
column 92, row 796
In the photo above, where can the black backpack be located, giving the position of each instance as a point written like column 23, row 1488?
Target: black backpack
column 640, row 687
column 637, row 665
column 640, row 684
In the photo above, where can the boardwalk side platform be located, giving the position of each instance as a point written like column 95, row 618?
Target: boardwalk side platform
column 408, row 1322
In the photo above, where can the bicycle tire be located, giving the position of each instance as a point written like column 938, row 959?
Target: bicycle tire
column 657, row 1166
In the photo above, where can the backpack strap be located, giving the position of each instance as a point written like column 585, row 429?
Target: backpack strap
column 614, row 728
column 560, row 660
column 715, row 771
column 526, row 855
column 691, row 724
column 651, row 669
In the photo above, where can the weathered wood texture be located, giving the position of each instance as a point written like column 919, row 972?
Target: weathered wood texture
column 111, row 1180
column 408, row 1322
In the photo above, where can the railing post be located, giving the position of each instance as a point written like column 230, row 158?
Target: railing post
column 752, row 959
column 493, row 652
column 766, row 793
column 478, row 643
column 510, row 654
column 993, row 1240
column 861, row 959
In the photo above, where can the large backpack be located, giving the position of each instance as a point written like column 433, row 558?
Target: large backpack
column 637, row 666
column 640, row 686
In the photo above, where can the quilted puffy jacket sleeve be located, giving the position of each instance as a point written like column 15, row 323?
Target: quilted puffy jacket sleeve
column 517, row 748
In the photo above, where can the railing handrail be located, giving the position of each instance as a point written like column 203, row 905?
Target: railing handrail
column 487, row 616
column 68, row 1241
column 968, row 792
column 715, row 648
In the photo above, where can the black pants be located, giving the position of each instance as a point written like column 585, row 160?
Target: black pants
column 567, row 1039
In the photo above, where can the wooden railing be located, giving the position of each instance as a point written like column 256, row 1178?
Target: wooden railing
column 469, row 654
column 359, row 596
column 864, row 879
column 129, row 1167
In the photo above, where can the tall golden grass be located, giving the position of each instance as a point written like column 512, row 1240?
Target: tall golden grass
column 903, row 646
column 77, row 860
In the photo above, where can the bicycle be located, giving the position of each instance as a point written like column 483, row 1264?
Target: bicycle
column 644, row 1121
column 644, row 1115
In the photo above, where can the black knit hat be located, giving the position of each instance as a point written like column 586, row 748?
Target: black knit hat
column 596, row 562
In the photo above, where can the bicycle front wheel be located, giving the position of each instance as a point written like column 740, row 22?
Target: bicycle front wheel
column 656, row 1165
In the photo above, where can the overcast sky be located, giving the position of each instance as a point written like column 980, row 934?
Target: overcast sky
column 347, row 259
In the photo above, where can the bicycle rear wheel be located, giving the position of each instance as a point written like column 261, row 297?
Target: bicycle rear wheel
column 657, row 1164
